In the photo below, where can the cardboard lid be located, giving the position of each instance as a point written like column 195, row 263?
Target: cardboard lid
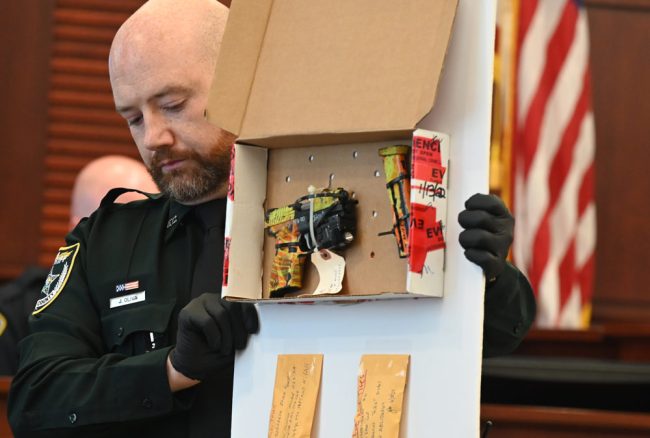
column 318, row 72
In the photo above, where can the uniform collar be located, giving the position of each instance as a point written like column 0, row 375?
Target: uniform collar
column 177, row 213
column 211, row 214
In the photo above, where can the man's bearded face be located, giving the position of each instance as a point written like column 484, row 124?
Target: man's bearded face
column 197, row 177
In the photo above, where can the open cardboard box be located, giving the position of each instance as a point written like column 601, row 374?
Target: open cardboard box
column 313, row 90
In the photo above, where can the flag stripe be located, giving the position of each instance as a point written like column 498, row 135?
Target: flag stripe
column 586, row 192
column 570, row 316
column 552, row 284
column 585, row 243
column 566, row 273
column 562, row 162
column 556, row 117
column 561, row 104
column 558, row 176
column 564, row 221
column 527, row 11
column 556, row 54
column 533, row 50
column 553, row 160
column 586, row 278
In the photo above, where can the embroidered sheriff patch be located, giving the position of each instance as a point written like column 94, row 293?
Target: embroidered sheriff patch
column 3, row 324
column 58, row 276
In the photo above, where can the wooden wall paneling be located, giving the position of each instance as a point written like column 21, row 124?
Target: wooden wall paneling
column 82, row 123
column 620, row 37
column 25, row 34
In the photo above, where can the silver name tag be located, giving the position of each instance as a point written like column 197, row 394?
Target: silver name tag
column 127, row 299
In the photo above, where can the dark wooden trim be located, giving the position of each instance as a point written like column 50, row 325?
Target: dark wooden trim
column 591, row 420
column 627, row 342
column 638, row 5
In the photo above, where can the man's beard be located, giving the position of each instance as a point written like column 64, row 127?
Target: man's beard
column 201, row 176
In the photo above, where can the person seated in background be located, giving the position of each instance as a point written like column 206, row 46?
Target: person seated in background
column 17, row 297
column 103, row 174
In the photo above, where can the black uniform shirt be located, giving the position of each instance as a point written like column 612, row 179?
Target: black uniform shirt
column 94, row 364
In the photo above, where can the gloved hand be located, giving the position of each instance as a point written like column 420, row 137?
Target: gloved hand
column 209, row 330
column 489, row 228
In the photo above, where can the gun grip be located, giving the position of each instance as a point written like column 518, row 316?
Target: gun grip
column 286, row 271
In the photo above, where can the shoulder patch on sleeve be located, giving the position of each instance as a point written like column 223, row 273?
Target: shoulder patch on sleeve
column 3, row 323
column 58, row 276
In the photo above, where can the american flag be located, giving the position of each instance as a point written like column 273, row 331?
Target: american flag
column 553, row 160
column 127, row 286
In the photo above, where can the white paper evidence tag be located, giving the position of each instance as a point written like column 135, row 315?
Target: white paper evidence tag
column 331, row 268
column 127, row 299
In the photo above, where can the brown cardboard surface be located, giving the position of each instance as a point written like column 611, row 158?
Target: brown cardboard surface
column 313, row 68
column 245, row 223
column 238, row 57
column 373, row 265
column 326, row 79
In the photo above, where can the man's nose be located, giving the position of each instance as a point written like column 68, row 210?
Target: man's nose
column 157, row 133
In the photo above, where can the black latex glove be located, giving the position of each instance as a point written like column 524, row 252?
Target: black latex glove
column 210, row 330
column 489, row 228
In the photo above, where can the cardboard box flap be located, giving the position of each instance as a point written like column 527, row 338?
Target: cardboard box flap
column 309, row 67
column 237, row 63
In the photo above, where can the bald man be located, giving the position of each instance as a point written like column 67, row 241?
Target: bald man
column 130, row 336
column 103, row 174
